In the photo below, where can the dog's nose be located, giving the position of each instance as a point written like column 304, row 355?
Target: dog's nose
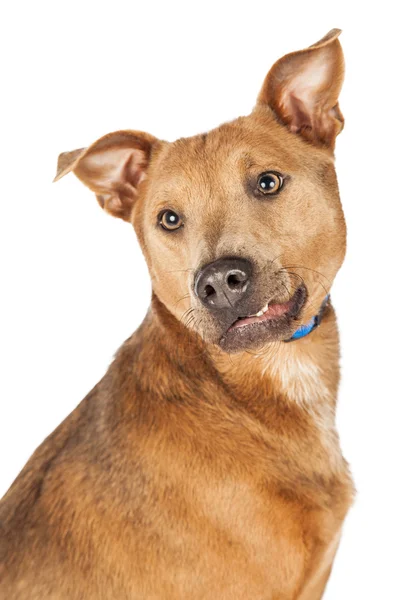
column 223, row 283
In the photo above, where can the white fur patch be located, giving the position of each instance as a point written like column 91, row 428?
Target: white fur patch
column 300, row 378
column 301, row 382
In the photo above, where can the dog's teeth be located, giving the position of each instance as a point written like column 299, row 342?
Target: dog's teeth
column 262, row 311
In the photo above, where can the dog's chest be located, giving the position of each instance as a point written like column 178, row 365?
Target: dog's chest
column 247, row 508
column 240, row 534
column 286, row 505
column 267, row 527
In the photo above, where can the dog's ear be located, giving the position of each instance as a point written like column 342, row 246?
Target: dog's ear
column 302, row 89
column 112, row 168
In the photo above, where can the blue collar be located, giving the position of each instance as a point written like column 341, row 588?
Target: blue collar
column 304, row 330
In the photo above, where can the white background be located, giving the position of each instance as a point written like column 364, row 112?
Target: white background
column 74, row 283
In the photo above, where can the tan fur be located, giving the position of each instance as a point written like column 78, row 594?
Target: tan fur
column 189, row 472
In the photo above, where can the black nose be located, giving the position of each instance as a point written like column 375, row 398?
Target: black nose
column 223, row 283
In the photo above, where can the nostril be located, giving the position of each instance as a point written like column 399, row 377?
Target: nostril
column 236, row 280
column 209, row 291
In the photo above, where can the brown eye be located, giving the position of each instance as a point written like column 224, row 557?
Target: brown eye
column 269, row 183
column 169, row 220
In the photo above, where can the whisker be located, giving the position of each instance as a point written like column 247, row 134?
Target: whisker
column 195, row 327
column 301, row 278
column 189, row 321
column 308, row 269
column 183, row 298
column 292, row 274
column 186, row 313
column 180, row 270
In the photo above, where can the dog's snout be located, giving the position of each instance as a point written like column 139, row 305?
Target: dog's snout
column 223, row 283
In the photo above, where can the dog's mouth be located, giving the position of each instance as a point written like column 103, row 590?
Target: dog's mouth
column 274, row 321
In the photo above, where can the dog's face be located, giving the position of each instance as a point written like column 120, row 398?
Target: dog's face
column 242, row 228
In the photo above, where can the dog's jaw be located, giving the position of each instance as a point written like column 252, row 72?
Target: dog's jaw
column 273, row 325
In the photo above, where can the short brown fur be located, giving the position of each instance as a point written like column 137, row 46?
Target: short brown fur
column 193, row 469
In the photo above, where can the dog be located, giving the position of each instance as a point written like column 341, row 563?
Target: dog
column 206, row 463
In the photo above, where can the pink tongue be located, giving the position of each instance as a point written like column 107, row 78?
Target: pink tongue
column 274, row 311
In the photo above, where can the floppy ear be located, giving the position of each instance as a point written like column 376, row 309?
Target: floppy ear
column 302, row 89
column 112, row 168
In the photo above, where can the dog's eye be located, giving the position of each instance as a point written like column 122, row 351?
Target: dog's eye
column 169, row 220
column 269, row 183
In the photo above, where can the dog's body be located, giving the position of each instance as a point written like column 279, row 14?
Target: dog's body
column 206, row 463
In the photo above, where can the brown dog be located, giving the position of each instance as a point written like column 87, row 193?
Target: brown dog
column 206, row 464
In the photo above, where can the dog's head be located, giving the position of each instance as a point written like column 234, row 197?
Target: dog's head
column 242, row 228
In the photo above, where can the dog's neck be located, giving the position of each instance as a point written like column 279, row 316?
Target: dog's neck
column 303, row 373
column 301, row 377
column 287, row 392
